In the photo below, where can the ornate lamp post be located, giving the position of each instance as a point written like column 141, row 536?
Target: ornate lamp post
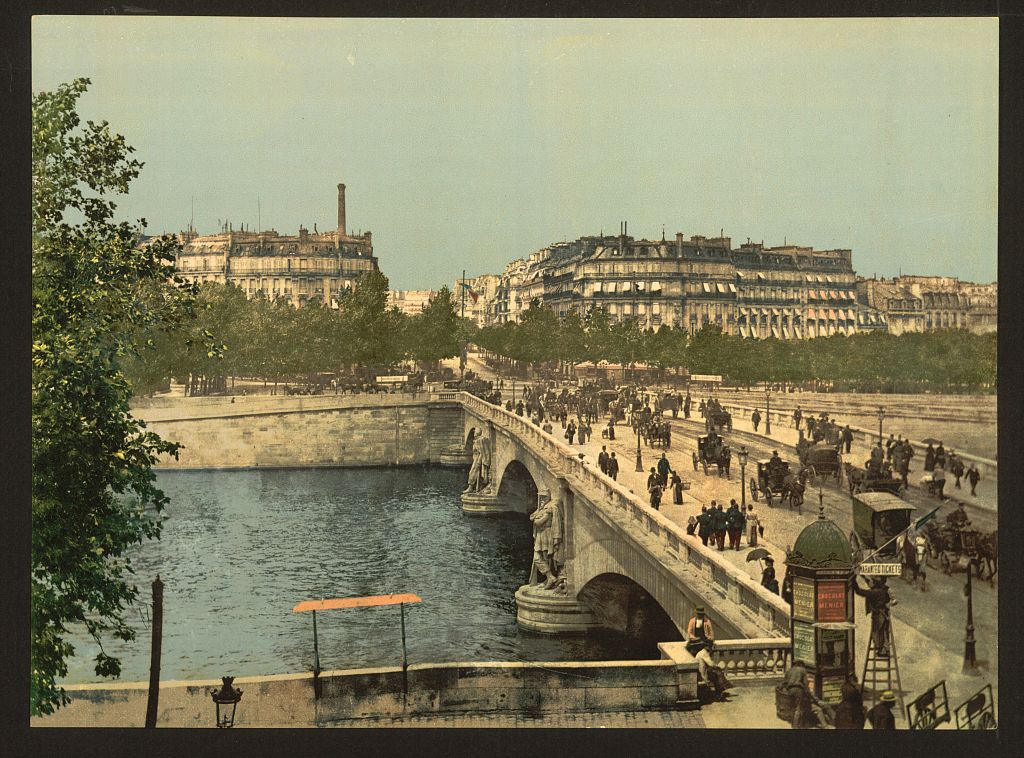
column 881, row 415
column 768, row 410
column 226, row 696
column 639, row 459
column 742, row 456
column 970, row 661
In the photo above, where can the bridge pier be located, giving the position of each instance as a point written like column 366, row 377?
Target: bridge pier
column 488, row 502
column 551, row 612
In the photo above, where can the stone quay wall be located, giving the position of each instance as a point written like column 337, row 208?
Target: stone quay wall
column 288, row 700
column 290, row 432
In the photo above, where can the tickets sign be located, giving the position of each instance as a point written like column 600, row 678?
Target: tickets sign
column 880, row 569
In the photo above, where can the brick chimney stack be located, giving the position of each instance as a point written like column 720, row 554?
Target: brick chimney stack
column 341, row 209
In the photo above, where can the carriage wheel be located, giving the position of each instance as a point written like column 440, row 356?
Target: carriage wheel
column 694, row 461
column 856, row 547
column 945, row 563
column 753, row 488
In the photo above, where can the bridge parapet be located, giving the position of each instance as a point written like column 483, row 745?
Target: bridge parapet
column 665, row 541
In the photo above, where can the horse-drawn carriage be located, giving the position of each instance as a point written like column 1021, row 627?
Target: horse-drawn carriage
column 716, row 418
column 778, row 480
column 878, row 518
column 712, row 451
column 823, row 459
column 955, row 548
column 872, row 479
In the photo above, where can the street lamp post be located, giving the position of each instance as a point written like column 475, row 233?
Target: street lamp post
column 639, row 459
column 881, row 415
column 970, row 661
column 768, row 411
column 742, row 455
column 228, row 698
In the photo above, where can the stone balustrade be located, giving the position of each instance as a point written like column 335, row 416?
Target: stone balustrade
column 866, row 437
column 752, row 659
column 767, row 609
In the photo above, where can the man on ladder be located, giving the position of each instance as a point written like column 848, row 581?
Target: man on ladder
column 880, row 664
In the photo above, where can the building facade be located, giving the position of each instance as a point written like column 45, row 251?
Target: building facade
column 788, row 292
column 410, row 302
column 928, row 303
column 298, row 268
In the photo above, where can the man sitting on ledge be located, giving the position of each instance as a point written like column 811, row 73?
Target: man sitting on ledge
column 700, row 638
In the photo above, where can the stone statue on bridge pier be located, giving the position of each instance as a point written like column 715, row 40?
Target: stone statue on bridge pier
column 480, row 471
column 547, row 542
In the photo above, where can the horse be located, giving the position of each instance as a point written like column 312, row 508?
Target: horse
column 988, row 554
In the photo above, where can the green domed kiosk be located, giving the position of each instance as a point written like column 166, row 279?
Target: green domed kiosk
column 821, row 566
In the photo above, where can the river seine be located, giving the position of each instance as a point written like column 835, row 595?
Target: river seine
column 241, row 548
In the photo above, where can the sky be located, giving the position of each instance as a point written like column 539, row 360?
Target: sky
column 465, row 144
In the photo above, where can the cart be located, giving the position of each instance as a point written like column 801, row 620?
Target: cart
column 778, row 480
column 712, row 451
column 878, row 517
column 824, row 460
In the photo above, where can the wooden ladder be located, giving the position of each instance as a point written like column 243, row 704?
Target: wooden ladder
column 882, row 670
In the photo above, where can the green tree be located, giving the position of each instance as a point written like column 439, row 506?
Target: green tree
column 433, row 334
column 93, row 487
column 371, row 329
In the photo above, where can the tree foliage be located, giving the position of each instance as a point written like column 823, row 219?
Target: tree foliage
column 97, row 299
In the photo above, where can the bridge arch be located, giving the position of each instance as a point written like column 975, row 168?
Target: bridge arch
column 623, row 605
column 469, row 439
column 518, row 486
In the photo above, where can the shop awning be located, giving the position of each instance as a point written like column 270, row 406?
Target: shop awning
column 775, row 332
column 721, row 287
column 835, row 295
column 744, row 330
column 706, row 286
column 732, row 287
column 787, row 332
column 812, row 313
column 760, row 275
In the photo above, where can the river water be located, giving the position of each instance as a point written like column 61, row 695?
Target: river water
column 241, row 548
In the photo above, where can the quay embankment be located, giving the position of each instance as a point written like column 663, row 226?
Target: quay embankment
column 429, row 689
column 281, row 431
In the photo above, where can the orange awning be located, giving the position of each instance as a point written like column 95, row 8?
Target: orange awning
column 354, row 602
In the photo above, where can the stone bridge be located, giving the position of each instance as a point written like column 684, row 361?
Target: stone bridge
column 626, row 566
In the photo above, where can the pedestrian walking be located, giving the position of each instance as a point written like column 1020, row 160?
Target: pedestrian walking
column 570, row 432
column 664, row 468
column 850, row 713
column 956, row 468
column 691, row 525
column 677, row 489
column 847, row 437
column 602, row 459
column 656, row 490
column 940, row 455
column 939, row 479
column 929, row 458
column 735, row 521
column 704, row 525
column 796, row 418
column 880, row 717
column 889, row 444
column 753, row 524
column 768, row 580
column 801, row 698
column 973, row 476
column 720, row 524
column 755, row 418
column 613, row 467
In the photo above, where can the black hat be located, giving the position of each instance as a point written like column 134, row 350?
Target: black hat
column 769, row 559
column 699, row 609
